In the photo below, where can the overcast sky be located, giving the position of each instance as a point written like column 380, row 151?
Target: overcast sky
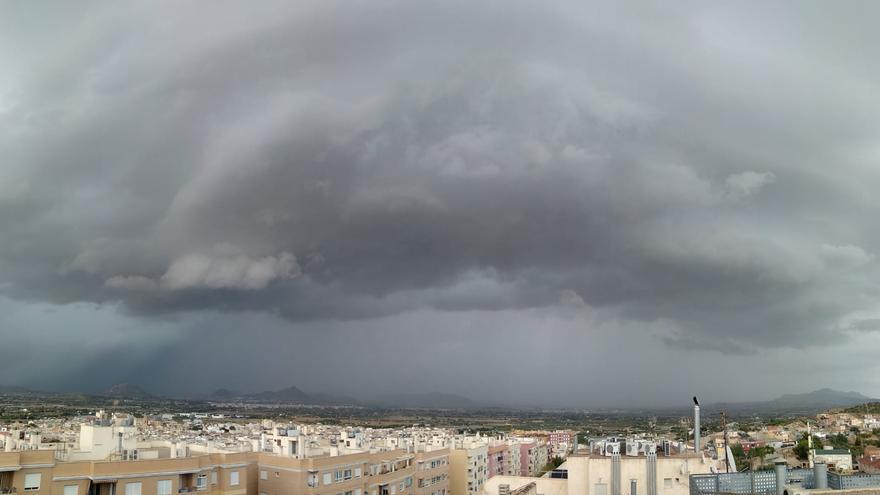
column 544, row 202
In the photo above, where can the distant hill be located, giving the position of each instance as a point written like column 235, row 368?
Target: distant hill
column 126, row 390
column 424, row 401
column 289, row 394
column 826, row 397
column 806, row 403
column 223, row 393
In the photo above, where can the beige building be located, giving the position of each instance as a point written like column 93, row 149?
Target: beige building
column 596, row 474
column 37, row 472
column 639, row 475
column 468, row 469
column 432, row 472
column 382, row 473
column 395, row 472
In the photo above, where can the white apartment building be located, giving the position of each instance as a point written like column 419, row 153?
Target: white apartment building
column 468, row 469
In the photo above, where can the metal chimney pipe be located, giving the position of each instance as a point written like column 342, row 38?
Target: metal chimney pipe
column 820, row 473
column 781, row 476
column 696, row 425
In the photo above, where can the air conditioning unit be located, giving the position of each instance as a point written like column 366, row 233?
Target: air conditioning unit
column 632, row 448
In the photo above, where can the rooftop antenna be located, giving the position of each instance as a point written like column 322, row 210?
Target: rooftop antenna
column 696, row 425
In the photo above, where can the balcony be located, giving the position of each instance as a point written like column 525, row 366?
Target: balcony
column 8, row 490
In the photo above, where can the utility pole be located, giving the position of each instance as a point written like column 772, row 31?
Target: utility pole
column 724, row 429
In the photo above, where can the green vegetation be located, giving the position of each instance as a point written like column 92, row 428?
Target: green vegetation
column 739, row 457
column 869, row 408
column 744, row 460
column 839, row 441
column 801, row 450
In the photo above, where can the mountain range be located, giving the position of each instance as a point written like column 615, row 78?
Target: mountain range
column 293, row 395
column 793, row 404
column 805, row 403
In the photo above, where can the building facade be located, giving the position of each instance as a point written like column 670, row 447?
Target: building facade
column 468, row 468
column 394, row 472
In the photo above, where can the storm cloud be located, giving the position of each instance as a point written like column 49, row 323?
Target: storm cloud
column 679, row 178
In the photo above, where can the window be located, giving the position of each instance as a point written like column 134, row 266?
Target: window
column 233, row 478
column 346, row 474
column 667, row 483
column 213, row 477
column 163, row 487
column 312, row 480
column 357, row 472
column 277, row 474
column 338, row 476
column 357, row 491
column 408, row 482
column 32, row 482
column 201, row 482
column 327, row 480
column 264, row 475
column 70, row 489
column 133, row 488
column 600, row 489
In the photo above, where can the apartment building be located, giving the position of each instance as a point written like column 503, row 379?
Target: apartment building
column 375, row 472
column 514, row 465
column 432, row 472
column 499, row 461
column 369, row 473
column 469, row 466
column 38, row 472
column 560, row 443
column 604, row 474
column 533, row 456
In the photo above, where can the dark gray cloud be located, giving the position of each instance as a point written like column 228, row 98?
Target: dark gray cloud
column 709, row 167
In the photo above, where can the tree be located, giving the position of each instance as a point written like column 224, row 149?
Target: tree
column 802, row 451
column 760, row 453
column 839, row 441
column 857, row 448
column 739, row 457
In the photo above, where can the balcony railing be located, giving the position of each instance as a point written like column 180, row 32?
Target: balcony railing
column 8, row 490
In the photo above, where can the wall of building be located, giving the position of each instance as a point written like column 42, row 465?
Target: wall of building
column 432, row 480
column 394, row 470
column 592, row 475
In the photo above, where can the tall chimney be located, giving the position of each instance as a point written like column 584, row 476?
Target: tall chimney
column 781, row 476
column 820, row 473
column 696, row 425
